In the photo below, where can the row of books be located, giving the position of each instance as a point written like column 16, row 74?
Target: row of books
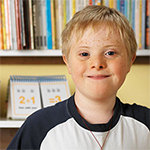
column 37, row 24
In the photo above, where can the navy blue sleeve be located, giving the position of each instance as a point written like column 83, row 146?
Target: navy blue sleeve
column 27, row 137
column 36, row 126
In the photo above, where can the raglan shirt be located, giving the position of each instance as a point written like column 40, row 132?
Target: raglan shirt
column 60, row 127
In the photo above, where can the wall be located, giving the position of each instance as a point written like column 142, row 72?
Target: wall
column 135, row 89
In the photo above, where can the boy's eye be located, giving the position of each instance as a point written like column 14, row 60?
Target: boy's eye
column 84, row 54
column 110, row 53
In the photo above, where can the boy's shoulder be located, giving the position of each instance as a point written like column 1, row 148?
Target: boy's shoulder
column 137, row 112
column 49, row 117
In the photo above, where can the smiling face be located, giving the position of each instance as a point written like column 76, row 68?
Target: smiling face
column 98, row 63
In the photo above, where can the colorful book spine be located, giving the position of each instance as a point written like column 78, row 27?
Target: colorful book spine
column 13, row 25
column 27, row 24
column 49, row 24
column 53, row 25
column 129, row 7
column 122, row 6
column 18, row 27
column 64, row 20
column 7, row 24
column 73, row 6
column 98, row 2
column 111, row 4
column 31, row 23
column 133, row 15
column 68, row 5
column 43, row 25
column 90, row 2
column 115, row 4
column 1, row 27
column 137, row 14
column 22, row 24
column 4, row 26
column 126, row 10
column 143, row 22
column 118, row 5
column 147, row 24
column 59, row 17
column 34, row 22
column 140, row 24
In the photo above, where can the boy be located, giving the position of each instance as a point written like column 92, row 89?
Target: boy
column 98, row 48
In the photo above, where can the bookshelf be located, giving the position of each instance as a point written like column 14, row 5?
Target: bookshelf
column 5, row 123
column 49, row 53
column 30, row 53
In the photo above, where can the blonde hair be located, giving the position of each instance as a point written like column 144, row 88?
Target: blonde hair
column 94, row 16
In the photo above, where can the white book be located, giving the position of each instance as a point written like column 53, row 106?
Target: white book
column 24, row 97
column 43, row 24
column 54, row 89
column 79, row 5
column 31, row 24
column 13, row 25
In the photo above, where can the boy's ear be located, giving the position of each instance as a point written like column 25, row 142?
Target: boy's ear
column 67, row 64
column 133, row 58
column 132, row 61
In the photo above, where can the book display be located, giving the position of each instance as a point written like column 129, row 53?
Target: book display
column 38, row 23
column 27, row 94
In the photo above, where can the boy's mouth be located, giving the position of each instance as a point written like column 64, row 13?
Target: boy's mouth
column 98, row 77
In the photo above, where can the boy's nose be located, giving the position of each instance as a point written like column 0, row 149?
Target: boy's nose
column 98, row 63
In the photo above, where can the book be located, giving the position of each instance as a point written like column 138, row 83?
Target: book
column 147, row 24
column 122, row 6
column 43, row 25
column 64, row 16
column 59, row 26
column 22, row 24
column 39, row 26
column 7, row 24
column 3, row 23
column 118, row 5
column 18, row 25
column 13, row 25
column 24, row 97
column 31, row 23
column 111, row 4
column 1, row 27
column 137, row 14
column 74, row 7
column 49, row 24
column 27, row 30
column 133, row 15
column 53, row 19
column 140, row 24
column 54, row 89
column 34, row 22
column 143, row 25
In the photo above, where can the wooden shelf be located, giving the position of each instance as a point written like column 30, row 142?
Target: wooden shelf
column 30, row 53
column 143, row 52
column 4, row 123
column 48, row 53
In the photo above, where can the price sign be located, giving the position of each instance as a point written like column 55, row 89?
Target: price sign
column 25, row 99
column 54, row 92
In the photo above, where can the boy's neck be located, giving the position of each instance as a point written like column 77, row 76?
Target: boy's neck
column 95, row 111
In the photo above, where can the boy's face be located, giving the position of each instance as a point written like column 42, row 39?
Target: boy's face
column 98, row 63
